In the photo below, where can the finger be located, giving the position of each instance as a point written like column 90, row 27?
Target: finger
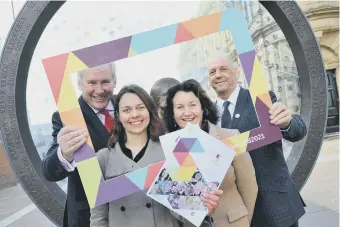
column 277, row 111
column 218, row 192
column 68, row 129
column 74, row 134
column 273, row 107
column 76, row 140
column 281, row 116
column 210, row 208
column 75, row 147
column 210, row 202
column 284, row 121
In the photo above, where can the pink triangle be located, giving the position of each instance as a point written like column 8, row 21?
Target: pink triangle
column 183, row 34
column 55, row 68
column 180, row 156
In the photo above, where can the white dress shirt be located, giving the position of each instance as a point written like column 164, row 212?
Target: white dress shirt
column 232, row 99
column 69, row 167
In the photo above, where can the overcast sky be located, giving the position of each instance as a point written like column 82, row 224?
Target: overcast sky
column 81, row 24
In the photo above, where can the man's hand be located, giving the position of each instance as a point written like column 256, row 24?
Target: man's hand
column 70, row 139
column 280, row 115
column 211, row 200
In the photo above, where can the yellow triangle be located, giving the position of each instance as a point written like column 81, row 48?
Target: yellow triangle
column 185, row 173
column 189, row 162
column 90, row 174
column 132, row 52
column 67, row 97
column 172, row 172
column 258, row 84
column 239, row 142
column 73, row 65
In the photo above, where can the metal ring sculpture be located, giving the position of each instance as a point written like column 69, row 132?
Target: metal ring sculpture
column 15, row 62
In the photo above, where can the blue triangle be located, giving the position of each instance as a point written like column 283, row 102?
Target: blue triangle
column 138, row 177
column 197, row 147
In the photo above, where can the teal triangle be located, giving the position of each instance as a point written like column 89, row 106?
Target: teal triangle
column 197, row 147
column 138, row 177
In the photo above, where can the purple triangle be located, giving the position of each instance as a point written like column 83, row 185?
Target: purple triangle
column 180, row 147
column 114, row 189
column 84, row 152
column 247, row 61
column 104, row 53
column 188, row 142
column 270, row 132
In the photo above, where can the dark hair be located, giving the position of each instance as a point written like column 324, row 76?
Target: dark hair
column 156, row 125
column 210, row 112
column 160, row 88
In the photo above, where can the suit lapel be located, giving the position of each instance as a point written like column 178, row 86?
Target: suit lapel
column 240, row 108
column 92, row 119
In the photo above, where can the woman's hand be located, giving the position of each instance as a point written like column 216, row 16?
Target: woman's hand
column 211, row 200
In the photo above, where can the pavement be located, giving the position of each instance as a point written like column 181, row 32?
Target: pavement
column 321, row 194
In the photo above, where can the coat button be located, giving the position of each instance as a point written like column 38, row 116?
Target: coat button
column 122, row 208
column 148, row 205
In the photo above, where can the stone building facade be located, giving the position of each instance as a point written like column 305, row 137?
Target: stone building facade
column 272, row 50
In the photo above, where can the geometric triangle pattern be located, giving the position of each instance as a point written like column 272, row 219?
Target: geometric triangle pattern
column 58, row 69
column 180, row 147
column 55, row 68
column 197, row 147
column 183, row 34
column 188, row 142
column 181, row 156
column 189, row 162
column 138, row 177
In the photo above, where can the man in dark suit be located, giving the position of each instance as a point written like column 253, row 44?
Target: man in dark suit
column 96, row 102
column 278, row 203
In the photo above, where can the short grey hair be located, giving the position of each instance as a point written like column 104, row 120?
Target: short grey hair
column 112, row 65
column 222, row 55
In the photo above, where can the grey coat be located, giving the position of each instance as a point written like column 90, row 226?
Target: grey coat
column 136, row 209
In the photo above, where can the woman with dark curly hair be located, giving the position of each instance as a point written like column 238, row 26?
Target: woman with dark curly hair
column 134, row 144
column 188, row 102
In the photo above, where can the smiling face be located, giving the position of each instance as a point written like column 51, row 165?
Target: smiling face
column 133, row 114
column 96, row 85
column 222, row 77
column 187, row 108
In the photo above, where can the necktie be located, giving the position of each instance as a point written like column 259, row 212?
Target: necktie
column 109, row 121
column 226, row 117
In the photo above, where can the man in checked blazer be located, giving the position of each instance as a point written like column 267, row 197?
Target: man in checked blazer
column 278, row 203
column 96, row 103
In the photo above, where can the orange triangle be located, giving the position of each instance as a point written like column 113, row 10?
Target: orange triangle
column 203, row 26
column 183, row 34
column 189, row 162
column 73, row 117
column 265, row 98
column 55, row 68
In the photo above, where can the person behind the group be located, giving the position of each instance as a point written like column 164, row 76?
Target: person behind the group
column 278, row 202
column 96, row 103
column 159, row 90
column 134, row 144
column 188, row 102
